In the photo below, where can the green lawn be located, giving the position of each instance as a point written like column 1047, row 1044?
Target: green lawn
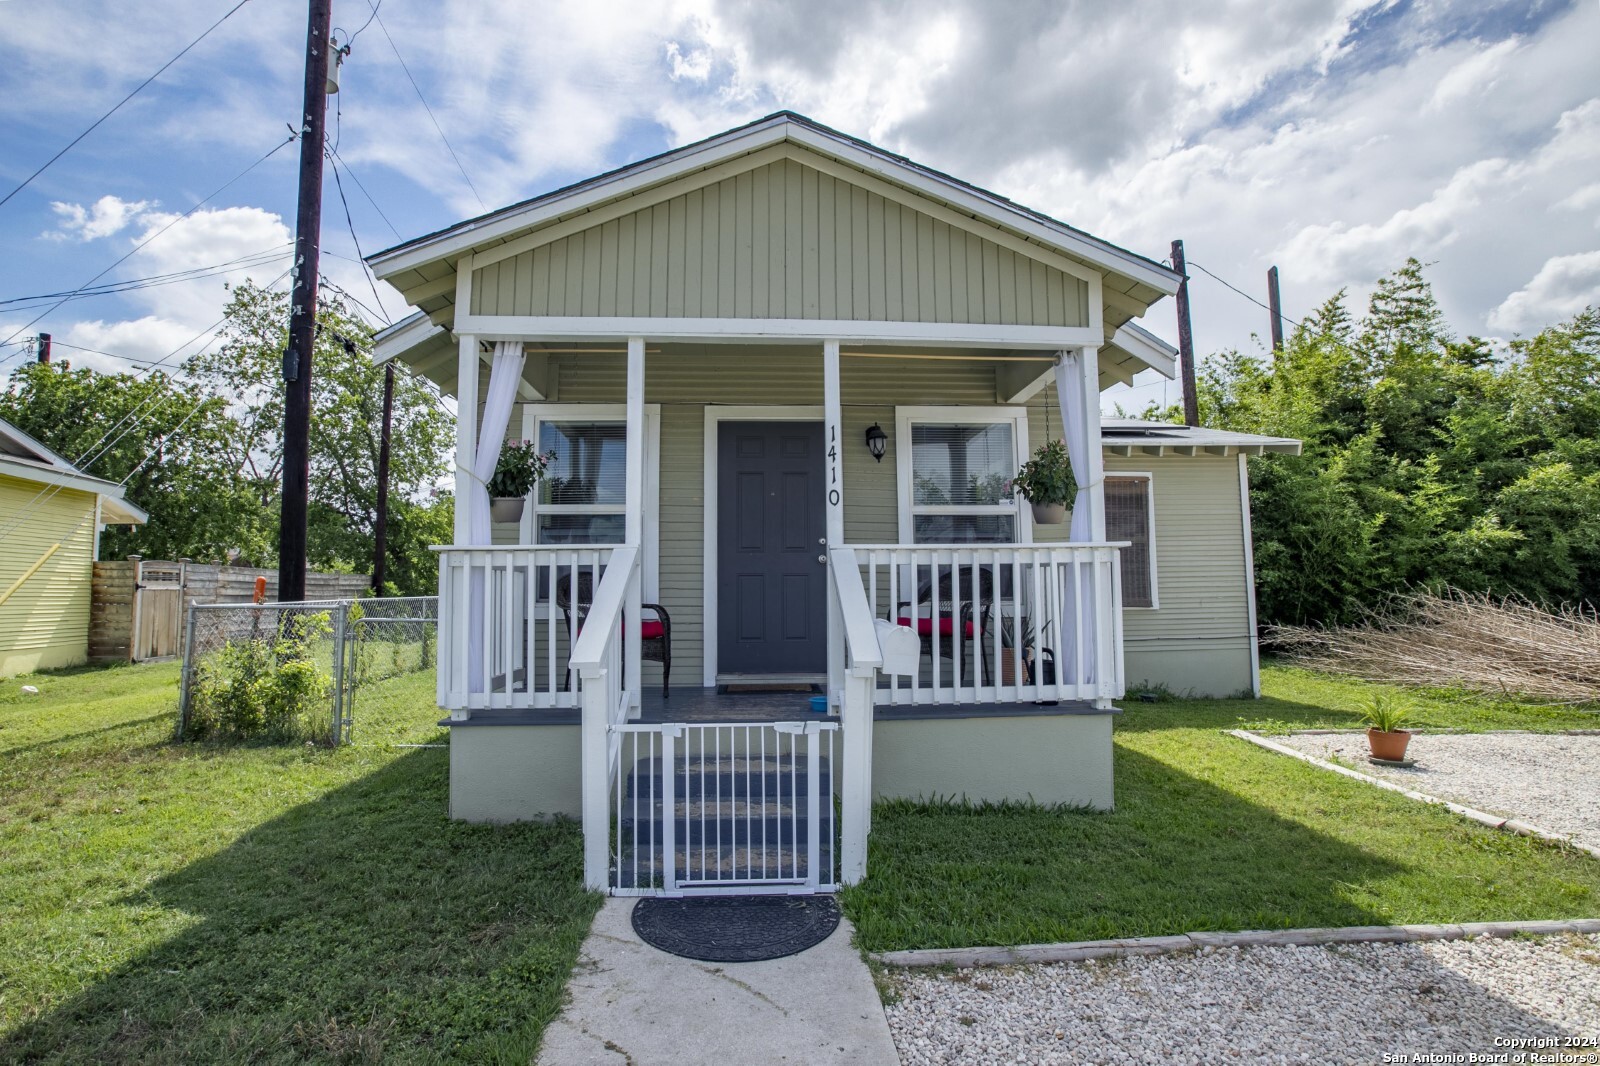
column 166, row 902
column 1212, row 833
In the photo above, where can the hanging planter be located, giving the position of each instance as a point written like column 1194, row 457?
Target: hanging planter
column 506, row 508
column 516, row 472
column 1046, row 481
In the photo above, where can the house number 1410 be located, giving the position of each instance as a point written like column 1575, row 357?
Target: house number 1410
column 833, row 466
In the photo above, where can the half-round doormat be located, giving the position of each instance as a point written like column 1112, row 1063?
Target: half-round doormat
column 735, row 928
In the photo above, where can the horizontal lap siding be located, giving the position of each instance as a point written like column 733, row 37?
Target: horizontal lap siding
column 781, row 241
column 46, row 621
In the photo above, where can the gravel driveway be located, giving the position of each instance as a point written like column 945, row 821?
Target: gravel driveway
column 1551, row 781
column 1339, row 1004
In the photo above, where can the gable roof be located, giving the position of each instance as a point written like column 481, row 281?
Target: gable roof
column 494, row 227
column 25, row 458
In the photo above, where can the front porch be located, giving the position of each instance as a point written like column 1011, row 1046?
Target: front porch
column 1022, row 637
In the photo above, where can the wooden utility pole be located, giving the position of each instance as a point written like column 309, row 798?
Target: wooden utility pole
column 44, row 348
column 380, row 539
column 1276, row 306
column 1191, row 402
column 303, row 312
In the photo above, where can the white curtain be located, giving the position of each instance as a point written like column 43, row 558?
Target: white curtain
column 1077, row 659
column 505, row 374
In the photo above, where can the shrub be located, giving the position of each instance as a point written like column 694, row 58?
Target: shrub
column 269, row 687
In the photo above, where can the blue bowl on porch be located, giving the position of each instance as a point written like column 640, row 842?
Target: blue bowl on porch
column 819, row 704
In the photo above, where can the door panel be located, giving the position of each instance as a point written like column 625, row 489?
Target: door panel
column 772, row 593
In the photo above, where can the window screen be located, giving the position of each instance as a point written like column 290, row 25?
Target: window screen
column 961, row 483
column 583, row 496
column 1128, row 518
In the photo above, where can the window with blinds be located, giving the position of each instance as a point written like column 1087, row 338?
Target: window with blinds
column 583, row 497
column 961, row 483
column 1128, row 519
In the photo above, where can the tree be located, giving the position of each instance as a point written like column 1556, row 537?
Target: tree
column 1426, row 460
column 346, row 412
column 167, row 439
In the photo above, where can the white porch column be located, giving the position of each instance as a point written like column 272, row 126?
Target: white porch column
column 833, row 479
column 1087, row 366
column 634, row 521
column 466, row 429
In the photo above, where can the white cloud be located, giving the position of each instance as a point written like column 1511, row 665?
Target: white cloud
column 106, row 217
column 145, row 339
column 1565, row 285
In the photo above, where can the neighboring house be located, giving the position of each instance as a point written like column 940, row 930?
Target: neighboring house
column 788, row 377
column 51, row 515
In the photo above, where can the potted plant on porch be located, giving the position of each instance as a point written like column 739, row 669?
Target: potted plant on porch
column 1046, row 481
column 516, row 472
column 1386, row 739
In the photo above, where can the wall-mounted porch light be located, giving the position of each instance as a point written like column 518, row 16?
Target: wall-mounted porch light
column 876, row 439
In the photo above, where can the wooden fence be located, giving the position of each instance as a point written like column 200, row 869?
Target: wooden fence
column 139, row 604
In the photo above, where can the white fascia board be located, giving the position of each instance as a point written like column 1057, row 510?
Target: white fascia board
column 1147, row 348
column 51, row 475
column 390, row 342
column 468, row 235
column 29, row 444
column 116, row 511
column 993, row 210
column 780, row 330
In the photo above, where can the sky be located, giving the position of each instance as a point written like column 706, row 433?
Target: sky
column 1332, row 138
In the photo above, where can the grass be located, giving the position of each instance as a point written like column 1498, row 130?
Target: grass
column 168, row 902
column 1211, row 833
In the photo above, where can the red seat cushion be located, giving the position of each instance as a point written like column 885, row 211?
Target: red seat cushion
column 652, row 630
column 946, row 626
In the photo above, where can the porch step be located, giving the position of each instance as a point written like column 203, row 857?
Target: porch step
column 737, row 818
column 730, row 864
column 730, row 777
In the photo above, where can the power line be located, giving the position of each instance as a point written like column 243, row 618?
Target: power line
column 124, row 100
column 365, row 270
column 356, row 178
column 1247, row 296
column 425, row 106
column 274, row 151
column 153, row 281
column 100, row 447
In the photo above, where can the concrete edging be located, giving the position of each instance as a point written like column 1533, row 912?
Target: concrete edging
column 1084, row 950
column 1482, row 817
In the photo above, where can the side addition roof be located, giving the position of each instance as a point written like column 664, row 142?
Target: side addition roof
column 23, row 457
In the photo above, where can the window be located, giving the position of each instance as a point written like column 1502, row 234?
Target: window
column 583, row 497
column 1130, row 517
column 960, row 481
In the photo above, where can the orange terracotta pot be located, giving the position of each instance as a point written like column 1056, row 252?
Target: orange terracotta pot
column 1388, row 746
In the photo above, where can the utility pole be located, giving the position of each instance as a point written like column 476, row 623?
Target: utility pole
column 380, row 546
column 1191, row 402
column 1277, row 311
column 303, row 312
column 43, row 348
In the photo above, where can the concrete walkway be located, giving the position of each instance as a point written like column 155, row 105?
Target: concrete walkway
column 632, row 1005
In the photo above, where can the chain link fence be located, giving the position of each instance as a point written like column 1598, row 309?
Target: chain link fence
column 298, row 671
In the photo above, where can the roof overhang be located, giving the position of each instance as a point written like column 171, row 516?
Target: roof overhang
column 24, row 458
column 495, row 227
column 1132, row 438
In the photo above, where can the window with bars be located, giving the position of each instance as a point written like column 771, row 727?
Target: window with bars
column 961, row 482
column 1128, row 518
column 583, row 497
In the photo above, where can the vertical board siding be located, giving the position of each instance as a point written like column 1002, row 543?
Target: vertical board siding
column 781, row 241
column 45, row 623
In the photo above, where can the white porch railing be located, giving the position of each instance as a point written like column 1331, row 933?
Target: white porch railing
column 1000, row 624
column 597, row 660
column 507, row 621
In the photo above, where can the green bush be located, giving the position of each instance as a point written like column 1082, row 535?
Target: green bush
column 271, row 687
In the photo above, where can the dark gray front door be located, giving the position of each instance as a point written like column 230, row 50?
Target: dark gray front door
column 772, row 592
